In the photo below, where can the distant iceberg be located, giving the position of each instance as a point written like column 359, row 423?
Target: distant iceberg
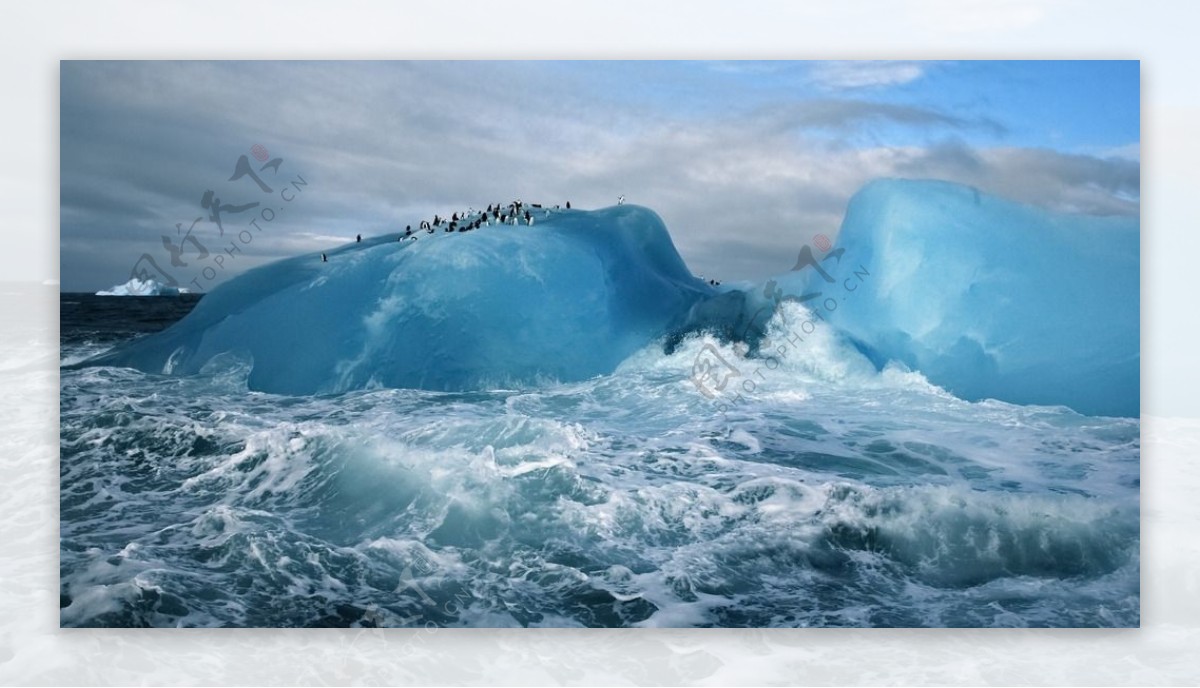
column 148, row 287
column 985, row 297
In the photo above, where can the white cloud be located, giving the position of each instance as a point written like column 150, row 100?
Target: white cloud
column 865, row 74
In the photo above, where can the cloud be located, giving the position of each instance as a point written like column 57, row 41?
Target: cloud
column 740, row 197
column 854, row 114
column 1060, row 181
column 858, row 74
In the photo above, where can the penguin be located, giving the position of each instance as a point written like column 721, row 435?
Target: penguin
column 568, row 205
column 324, row 259
column 408, row 231
column 358, row 239
column 621, row 200
column 528, row 218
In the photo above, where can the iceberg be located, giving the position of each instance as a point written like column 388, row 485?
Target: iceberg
column 564, row 299
column 986, row 297
column 146, row 287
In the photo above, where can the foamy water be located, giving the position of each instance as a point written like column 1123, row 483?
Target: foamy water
column 827, row 494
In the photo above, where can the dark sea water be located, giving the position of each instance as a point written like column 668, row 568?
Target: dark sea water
column 90, row 320
column 835, row 495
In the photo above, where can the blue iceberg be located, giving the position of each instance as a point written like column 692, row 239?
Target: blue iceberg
column 505, row 306
column 139, row 287
column 989, row 298
column 985, row 297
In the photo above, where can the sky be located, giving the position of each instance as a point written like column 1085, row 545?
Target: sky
column 744, row 161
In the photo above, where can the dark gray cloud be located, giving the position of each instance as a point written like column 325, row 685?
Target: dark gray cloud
column 382, row 145
column 850, row 114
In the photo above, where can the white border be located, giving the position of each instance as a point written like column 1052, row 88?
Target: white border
column 34, row 36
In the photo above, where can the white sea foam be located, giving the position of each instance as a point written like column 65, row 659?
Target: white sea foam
column 829, row 494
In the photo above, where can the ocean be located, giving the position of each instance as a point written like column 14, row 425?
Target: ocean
column 825, row 494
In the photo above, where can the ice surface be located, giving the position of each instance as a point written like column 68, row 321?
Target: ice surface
column 565, row 299
column 985, row 297
column 137, row 287
column 989, row 298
